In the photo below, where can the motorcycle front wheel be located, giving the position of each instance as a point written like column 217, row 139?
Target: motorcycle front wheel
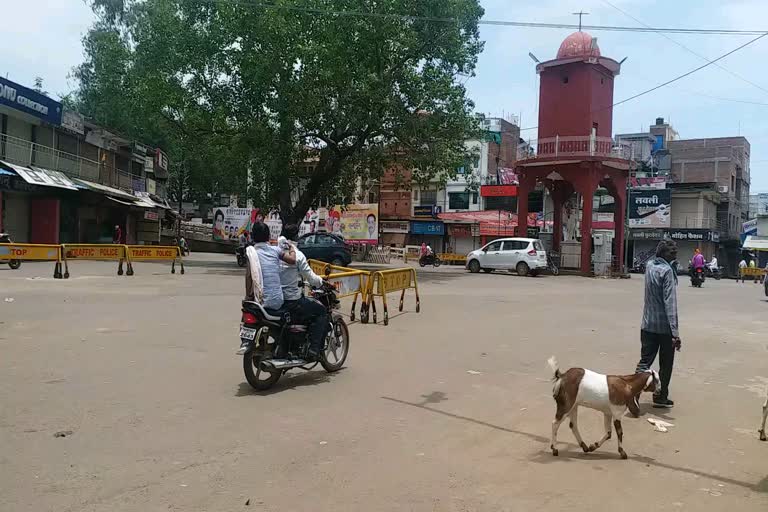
column 241, row 261
column 14, row 264
column 337, row 347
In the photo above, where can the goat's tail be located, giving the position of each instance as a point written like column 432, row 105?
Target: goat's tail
column 557, row 374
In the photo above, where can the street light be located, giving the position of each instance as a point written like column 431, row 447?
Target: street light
column 533, row 58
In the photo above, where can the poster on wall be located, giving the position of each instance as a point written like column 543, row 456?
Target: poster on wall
column 230, row 223
column 650, row 208
column 356, row 223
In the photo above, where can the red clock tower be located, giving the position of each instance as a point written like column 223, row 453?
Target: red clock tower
column 575, row 150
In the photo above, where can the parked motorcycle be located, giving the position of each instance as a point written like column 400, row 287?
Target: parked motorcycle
column 430, row 259
column 272, row 345
column 552, row 264
column 5, row 238
column 697, row 277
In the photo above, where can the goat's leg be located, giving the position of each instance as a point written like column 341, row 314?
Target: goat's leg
column 607, row 436
column 620, row 437
column 574, row 424
column 765, row 415
column 555, row 426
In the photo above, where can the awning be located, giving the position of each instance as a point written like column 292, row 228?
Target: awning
column 756, row 243
column 126, row 203
column 97, row 187
column 146, row 198
column 42, row 177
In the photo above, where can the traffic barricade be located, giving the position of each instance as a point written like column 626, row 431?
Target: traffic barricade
column 170, row 253
column 97, row 252
column 388, row 281
column 347, row 281
column 754, row 273
column 33, row 252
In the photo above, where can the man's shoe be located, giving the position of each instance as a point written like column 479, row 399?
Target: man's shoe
column 313, row 356
column 662, row 403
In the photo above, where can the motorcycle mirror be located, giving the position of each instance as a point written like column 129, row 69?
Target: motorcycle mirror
column 327, row 270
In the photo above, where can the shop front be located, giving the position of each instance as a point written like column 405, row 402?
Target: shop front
column 463, row 238
column 430, row 232
column 393, row 233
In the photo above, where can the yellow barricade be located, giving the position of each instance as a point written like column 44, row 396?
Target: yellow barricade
column 752, row 271
column 156, row 253
column 33, row 252
column 387, row 281
column 347, row 281
column 450, row 257
column 97, row 252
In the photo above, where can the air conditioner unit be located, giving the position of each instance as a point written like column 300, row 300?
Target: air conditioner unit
column 723, row 189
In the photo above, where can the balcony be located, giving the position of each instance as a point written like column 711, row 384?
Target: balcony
column 581, row 147
column 23, row 152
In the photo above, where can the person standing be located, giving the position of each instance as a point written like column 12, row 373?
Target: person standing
column 742, row 269
column 117, row 235
column 659, row 332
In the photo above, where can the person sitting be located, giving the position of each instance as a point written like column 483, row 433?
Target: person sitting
column 269, row 261
column 713, row 266
column 303, row 310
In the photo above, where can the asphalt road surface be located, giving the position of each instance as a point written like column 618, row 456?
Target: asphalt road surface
column 446, row 410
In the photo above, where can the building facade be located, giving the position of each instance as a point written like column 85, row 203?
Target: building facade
column 64, row 179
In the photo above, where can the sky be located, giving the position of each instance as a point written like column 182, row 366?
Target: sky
column 505, row 80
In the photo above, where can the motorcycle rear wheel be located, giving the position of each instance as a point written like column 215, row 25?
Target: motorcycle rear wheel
column 336, row 352
column 256, row 376
column 437, row 262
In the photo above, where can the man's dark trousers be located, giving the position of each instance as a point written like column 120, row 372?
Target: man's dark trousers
column 312, row 314
column 651, row 344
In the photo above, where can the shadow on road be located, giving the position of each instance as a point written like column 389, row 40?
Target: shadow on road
column 545, row 457
column 286, row 383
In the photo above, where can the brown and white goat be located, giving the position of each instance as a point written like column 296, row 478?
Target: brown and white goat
column 762, row 426
column 610, row 394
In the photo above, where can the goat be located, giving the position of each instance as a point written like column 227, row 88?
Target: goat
column 765, row 415
column 610, row 394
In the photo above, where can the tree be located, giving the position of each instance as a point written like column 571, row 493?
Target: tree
column 308, row 97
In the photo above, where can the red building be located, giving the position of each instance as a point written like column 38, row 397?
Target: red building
column 575, row 150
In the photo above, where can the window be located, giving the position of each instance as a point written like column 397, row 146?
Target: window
column 493, row 247
column 324, row 240
column 514, row 245
column 537, row 245
column 474, row 197
column 458, row 200
column 565, row 79
column 308, row 240
column 428, row 197
column 416, row 195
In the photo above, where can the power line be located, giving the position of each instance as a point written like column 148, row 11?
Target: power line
column 681, row 45
column 680, row 77
column 503, row 23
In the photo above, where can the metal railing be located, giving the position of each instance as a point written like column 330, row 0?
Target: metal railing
column 23, row 152
column 573, row 146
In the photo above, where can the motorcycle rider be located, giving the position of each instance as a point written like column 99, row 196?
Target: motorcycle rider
column 713, row 266
column 697, row 263
column 304, row 310
column 269, row 260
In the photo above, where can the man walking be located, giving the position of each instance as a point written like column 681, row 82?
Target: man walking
column 659, row 330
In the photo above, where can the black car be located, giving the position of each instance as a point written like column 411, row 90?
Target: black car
column 325, row 247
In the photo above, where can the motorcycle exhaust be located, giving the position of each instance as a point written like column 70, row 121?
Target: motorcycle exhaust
column 282, row 364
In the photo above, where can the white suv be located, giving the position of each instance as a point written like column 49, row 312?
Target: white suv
column 526, row 256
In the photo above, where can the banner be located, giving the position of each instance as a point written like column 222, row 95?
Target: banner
column 230, row 223
column 650, row 208
column 356, row 223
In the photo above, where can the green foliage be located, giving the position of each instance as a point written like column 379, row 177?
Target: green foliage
column 310, row 102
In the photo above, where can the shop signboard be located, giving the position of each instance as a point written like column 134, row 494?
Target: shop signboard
column 658, row 182
column 678, row 235
column 424, row 210
column 650, row 208
column 427, row 228
column 498, row 191
column 30, row 102
column 394, row 226
column 460, row 230
column 72, row 121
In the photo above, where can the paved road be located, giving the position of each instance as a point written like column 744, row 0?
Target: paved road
column 446, row 410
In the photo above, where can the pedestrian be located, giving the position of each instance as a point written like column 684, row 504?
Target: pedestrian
column 742, row 269
column 659, row 332
column 753, row 264
column 117, row 235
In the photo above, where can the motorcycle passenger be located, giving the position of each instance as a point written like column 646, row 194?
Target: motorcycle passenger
column 303, row 310
column 269, row 260
column 713, row 266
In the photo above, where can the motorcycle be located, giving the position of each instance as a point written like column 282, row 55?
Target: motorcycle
column 697, row 277
column 430, row 259
column 714, row 273
column 272, row 345
column 5, row 238
column 551, row 264
column 241, row 258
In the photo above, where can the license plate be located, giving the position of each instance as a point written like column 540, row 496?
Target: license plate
column 247, row 333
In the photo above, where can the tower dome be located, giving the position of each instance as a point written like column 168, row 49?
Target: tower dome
column 578, row 44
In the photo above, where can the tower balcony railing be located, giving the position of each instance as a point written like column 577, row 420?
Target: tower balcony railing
column 582, row 146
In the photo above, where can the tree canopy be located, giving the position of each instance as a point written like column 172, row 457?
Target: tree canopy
column 311, row 96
